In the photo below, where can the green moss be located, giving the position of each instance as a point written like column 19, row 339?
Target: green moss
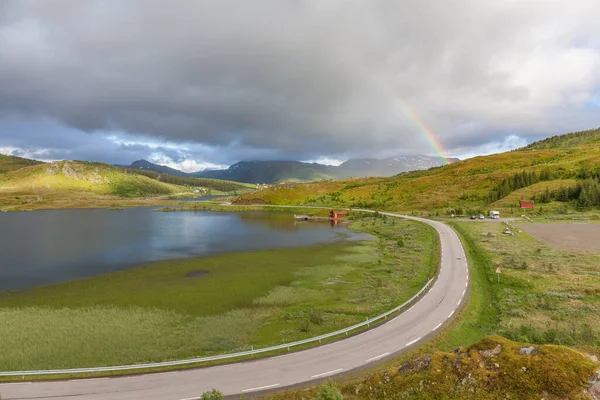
column 475, row 373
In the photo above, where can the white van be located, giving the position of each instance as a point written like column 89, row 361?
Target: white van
column 494, row 214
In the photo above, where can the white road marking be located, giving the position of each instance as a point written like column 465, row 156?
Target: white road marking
column 15, row 383
column 436, row 327
column 87, row 380
column 458, row 304
column 378, row 357
column 464, row 292
column 466, row 284
column 451, row 314
column 260, row 388
column 191, row 398
column 335, row 371
column 412, row 341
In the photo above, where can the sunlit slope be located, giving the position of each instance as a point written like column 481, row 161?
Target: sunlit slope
column 11, row 163
column 532, row 192
column 77, row 176
column 466, row 183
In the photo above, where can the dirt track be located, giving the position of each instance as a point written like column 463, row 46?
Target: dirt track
column 566, row 236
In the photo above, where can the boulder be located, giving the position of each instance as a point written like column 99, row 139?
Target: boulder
column 493, row 352
column 529, row 351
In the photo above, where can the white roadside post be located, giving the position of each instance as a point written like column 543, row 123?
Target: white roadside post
column 498, row 272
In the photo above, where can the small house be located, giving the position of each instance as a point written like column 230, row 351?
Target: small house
column 334, row 215
column 526, row 204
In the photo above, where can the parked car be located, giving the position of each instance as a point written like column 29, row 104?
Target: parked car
column 473, row 217
column 507, row 231
column 481, row 216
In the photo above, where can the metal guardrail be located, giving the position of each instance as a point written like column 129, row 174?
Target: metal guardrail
column 198, row 360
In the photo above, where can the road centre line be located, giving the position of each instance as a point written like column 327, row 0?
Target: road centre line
column 378, row 357
column 260, row 388
column 335, row 371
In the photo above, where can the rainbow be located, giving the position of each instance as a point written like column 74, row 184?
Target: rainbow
column 433, row 141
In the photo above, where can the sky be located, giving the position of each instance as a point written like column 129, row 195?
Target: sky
column 204, row 84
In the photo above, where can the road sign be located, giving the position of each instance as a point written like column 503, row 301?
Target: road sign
column 498, row 271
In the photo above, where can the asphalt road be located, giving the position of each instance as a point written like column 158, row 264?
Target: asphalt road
column 423, row 319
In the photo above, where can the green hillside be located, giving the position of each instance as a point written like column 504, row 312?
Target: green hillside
column 68, row 184
column 471, row 184
column 569, row 140
column 11, row 163
column 85, row 177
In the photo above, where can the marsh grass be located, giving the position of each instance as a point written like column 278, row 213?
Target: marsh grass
column 155, row 312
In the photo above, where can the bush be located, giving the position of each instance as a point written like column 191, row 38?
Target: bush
column 588, row 336
column 304, row 326
column 212, row 395
column 316, row 316
column 329, row 391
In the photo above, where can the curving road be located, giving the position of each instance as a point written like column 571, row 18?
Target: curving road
column 409, row 328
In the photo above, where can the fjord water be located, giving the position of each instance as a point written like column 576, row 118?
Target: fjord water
column 43, row 247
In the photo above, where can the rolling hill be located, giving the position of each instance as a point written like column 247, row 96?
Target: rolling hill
column 145, row 165
column 464, row 185
column 11, row 163
column 82, row 176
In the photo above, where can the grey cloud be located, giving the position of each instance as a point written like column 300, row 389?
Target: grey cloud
column 289, row 79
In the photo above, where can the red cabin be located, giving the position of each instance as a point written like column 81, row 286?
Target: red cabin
column 334, row 215
column 526, row 204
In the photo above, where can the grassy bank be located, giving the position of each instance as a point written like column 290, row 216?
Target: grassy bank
column 480, row 317
column 159, row 311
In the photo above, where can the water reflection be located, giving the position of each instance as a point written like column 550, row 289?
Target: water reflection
column 51, row 246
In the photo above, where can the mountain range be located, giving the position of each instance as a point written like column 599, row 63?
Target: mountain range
column 279, row 171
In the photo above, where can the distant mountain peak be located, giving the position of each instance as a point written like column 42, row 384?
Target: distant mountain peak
column 161, row 169
column 274, row 171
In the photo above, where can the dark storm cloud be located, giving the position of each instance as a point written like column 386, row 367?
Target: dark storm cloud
column 295, row 79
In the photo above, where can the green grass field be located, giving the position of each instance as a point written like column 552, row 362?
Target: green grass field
column 156, row 312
